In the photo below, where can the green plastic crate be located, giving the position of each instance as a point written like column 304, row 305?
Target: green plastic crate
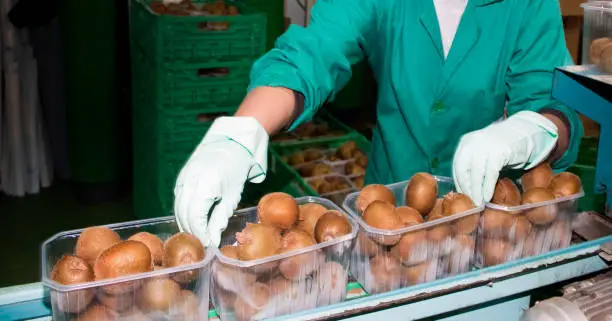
column 172, row 39
column 587, row 154
column 275, row 12
column 591, row 201
column 187, row 87
column 278, row 151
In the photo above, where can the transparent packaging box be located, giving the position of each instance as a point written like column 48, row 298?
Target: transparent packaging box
column 510, row 233
column 281, row 284
column 177, row 293
column 385, row 260
column 597, row 35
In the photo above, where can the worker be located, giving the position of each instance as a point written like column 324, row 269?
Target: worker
column 447, row 71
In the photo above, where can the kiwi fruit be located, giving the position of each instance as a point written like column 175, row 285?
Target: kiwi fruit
column 154, row 243
column 296, row 159
column 495, row 251
column 495, row 223
column 97, row 312
column 258, row 241
column 120, row 302
column 596, row 49
column 565, row 184
column 254, row 299
column 331, row 225
column 93, row 240
column 408, row 215
column 374, row 192
column 347, row 150
column 358, row 181
column 542, row 215
column 386, row 272
column 506, row 193
column 537, row 177
column 158, row 294
column 309, row 215
column 279, row 210
column 352, row 168
column 422, row 192
column 121, row 259
column 183, row 249
column 70, row 270
column 412, row 247
column 382, row 215
column 299, row 266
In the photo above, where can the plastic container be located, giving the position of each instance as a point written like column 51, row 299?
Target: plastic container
column 597, row 35
column 510, row 233
column 314, row 167
column 257, row 289
column 85, row 301
column 385, row 260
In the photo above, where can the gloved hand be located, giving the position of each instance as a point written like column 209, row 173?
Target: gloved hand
column 522, row 141
column 233, row 151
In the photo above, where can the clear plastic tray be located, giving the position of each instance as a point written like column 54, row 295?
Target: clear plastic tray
column 597, row 35
column 71, row 302
column 423, row 253
column 509, row 233
column 336, row 167
column 255, row 290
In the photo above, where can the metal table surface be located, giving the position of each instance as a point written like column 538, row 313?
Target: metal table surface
column 502, row 291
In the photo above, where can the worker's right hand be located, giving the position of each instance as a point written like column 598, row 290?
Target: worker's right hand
column 233, row 151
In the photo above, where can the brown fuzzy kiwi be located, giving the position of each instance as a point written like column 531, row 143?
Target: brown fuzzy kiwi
column 382, row 215
column 279, row 210
column 422, row 192
column 540, row 215
column 183, row 249
column 154, row 243
column 596, row 48
column 565, row 184
column 495, row 251
column 347, row 150
column 539, row 176
column 309, row 215
column 299, row 266
column 158, row 294
column 331, row 225
column 496, row 224
column 408, row 215
column 69, row 270
column 97, row 312
column 253, row 300
column 506, row 193
column 374, row 192
column 93, row 240
column 386, row 272
column 258, row 241
column 121, row 259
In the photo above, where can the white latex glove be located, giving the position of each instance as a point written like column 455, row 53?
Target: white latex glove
column 233, row 151
column 522, row 141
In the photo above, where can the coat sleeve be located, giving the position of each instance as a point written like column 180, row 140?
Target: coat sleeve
column 540, row 48
column 316, row 60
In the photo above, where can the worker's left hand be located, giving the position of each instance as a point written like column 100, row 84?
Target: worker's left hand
column 522, row 141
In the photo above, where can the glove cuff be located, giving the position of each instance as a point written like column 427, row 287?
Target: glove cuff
column 248, row 133
column 543, row 134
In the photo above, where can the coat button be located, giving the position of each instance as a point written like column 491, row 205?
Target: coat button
column 434, row 163
column 438, row 106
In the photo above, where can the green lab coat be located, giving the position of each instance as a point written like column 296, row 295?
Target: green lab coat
column 504, row 51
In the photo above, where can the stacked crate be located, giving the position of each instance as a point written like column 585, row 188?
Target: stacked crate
column 188, row 67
